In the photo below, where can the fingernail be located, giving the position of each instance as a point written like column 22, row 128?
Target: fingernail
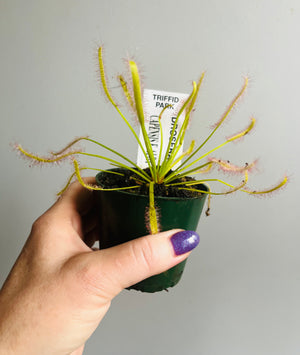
column 184, row 241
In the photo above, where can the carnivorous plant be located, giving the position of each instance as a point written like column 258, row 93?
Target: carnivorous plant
column 170, row 166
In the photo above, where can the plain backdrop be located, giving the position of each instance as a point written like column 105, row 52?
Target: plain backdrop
column 241, row 288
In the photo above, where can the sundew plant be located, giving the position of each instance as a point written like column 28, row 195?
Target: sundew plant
column 168, row 169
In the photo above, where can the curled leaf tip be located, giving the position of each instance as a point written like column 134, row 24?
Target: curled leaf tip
column 242, row 133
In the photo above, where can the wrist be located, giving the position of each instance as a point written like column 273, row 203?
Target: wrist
column 5, row 342
column 10, row 341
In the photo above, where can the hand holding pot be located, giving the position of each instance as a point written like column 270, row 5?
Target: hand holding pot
column 60, row 289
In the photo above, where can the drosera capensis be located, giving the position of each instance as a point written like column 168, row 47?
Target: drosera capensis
column 169, row 167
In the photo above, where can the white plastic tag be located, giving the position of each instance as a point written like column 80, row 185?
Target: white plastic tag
column 154, row 101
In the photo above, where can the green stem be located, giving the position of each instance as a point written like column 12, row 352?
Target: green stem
column 161, row 143
column 146, row 176
column 229, row 140
column 172, row 177
column 116, row 163
column 168, row 160
column 233, row 188
column 91, row 187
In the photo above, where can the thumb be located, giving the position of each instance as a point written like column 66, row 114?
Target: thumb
column 119, row 267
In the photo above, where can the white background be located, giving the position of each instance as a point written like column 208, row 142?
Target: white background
column 241, row 288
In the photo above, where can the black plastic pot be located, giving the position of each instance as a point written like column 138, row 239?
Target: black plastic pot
column 122, row 218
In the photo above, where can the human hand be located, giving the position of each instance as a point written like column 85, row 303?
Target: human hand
column 59, row 288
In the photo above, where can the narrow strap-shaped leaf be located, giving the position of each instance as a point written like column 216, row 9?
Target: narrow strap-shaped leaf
column 140, row 113
column 105, row 88
column 94, row 187
column 231, row 139
column 223, row 118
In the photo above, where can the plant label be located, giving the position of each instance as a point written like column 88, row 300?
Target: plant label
column 154, row 101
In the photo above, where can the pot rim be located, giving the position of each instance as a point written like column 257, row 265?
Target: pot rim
column 147, row 196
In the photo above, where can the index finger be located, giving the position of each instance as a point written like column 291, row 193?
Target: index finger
column 78, row 197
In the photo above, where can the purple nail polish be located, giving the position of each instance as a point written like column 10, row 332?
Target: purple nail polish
column 184, row 241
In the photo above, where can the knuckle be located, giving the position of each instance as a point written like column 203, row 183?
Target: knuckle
column 41, row 237
column 42, row 223
column 37, row 225
column 40, row 226
column 37, row 231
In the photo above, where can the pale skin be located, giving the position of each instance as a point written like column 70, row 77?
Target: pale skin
column 60, row 288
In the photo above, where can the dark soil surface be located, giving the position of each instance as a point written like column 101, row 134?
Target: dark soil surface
column 128, row 178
